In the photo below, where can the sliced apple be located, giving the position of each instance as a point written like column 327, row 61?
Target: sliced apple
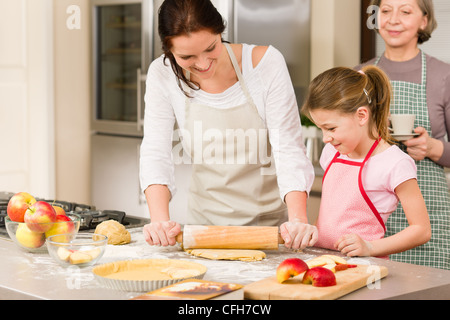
column 93, row 252
column 336, row 259
column 330, row 266
column 319, row 262
column 63, row 254
column 319, row 277
column 290, row 268
column 78, row 257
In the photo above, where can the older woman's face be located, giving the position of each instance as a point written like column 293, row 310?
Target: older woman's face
column 198, row 52
column 400, row 21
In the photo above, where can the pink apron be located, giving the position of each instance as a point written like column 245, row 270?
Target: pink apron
column 345, row 207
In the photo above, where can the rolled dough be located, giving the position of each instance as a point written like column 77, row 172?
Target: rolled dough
column 228, row 254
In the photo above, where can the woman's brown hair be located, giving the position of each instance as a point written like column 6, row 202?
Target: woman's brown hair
column 427, row 8
column 180, row 18
column 345, row 90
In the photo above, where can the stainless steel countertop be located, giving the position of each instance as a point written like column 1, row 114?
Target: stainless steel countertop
column 36, row 276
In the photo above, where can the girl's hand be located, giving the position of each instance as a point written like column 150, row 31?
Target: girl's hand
column 353, row 245
column 298, row 235
column 161, row 233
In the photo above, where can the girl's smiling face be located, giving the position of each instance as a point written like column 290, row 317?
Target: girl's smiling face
column 345, row 132
column 400, row 21
column 198, row 53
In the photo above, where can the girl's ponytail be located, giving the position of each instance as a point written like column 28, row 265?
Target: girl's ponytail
column 380, row 93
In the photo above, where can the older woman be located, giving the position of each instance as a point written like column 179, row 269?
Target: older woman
column 421, row 86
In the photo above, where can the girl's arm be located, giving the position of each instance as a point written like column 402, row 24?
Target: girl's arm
column 419, row 230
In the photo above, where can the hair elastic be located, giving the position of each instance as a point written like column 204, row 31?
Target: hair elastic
column 365, row 91
column 367, row 95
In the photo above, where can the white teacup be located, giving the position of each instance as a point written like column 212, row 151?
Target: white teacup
column 402, row 124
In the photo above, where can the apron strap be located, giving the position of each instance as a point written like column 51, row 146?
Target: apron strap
column 361, row 187
column 238, row 72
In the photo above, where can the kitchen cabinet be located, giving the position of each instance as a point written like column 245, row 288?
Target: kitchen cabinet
column 115, row 175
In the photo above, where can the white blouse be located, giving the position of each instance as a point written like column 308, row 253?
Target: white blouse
column 271, row 89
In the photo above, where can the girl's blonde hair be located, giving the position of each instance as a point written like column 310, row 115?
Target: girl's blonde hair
column 345, row 90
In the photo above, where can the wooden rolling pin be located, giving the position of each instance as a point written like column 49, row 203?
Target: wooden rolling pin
column 229, row 237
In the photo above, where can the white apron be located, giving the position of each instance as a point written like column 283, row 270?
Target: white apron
column 229, row 184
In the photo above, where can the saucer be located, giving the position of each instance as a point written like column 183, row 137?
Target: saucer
column 404, row 137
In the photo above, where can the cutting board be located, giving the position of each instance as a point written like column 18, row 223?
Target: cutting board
column 346, row 281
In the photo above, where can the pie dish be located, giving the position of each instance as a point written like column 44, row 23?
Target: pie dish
column 142, row 275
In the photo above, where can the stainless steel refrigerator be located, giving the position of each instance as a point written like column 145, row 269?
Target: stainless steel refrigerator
column 124, row 42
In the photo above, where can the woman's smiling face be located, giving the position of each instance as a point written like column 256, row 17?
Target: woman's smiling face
column 400, row 21
column 198, row 52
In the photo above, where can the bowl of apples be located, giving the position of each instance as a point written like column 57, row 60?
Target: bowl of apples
column 29, row 222
column 81, row 250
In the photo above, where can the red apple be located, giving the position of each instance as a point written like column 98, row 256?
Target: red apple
column 18, row 204
column 59, row 210
column 319, row 277
column 39, row 216
column 63, row 224
column 290, row 268
column 28, row 238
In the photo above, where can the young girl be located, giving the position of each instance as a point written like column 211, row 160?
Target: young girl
column 365, row 174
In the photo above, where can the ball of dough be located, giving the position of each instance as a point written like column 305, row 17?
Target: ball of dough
column 115, row 231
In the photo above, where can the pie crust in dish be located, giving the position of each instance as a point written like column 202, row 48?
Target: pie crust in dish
column 146, row 274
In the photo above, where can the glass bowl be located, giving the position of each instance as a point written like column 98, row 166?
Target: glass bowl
column 81, row 250
column 35, row 241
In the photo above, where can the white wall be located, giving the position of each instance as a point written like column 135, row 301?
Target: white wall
column 335, row 34
column 72, row 100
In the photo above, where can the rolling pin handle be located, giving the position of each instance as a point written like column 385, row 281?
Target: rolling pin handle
column 280, row 239
column 179, row 237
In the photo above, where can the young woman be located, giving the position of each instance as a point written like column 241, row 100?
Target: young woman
column 421, row 86
column 365, row 175
column 218, row 95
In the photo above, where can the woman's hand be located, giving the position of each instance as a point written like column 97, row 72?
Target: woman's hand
column 353, row 245
column 161, row 233
column 424, row 146
column 298, row 235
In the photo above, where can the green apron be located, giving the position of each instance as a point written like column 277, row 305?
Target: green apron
column 411, row 98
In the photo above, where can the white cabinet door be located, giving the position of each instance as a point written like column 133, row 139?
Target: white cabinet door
column 26, row 91
column 115, row 175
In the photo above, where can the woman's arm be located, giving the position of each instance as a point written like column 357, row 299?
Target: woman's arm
column 297, row 233
column 161, row 230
